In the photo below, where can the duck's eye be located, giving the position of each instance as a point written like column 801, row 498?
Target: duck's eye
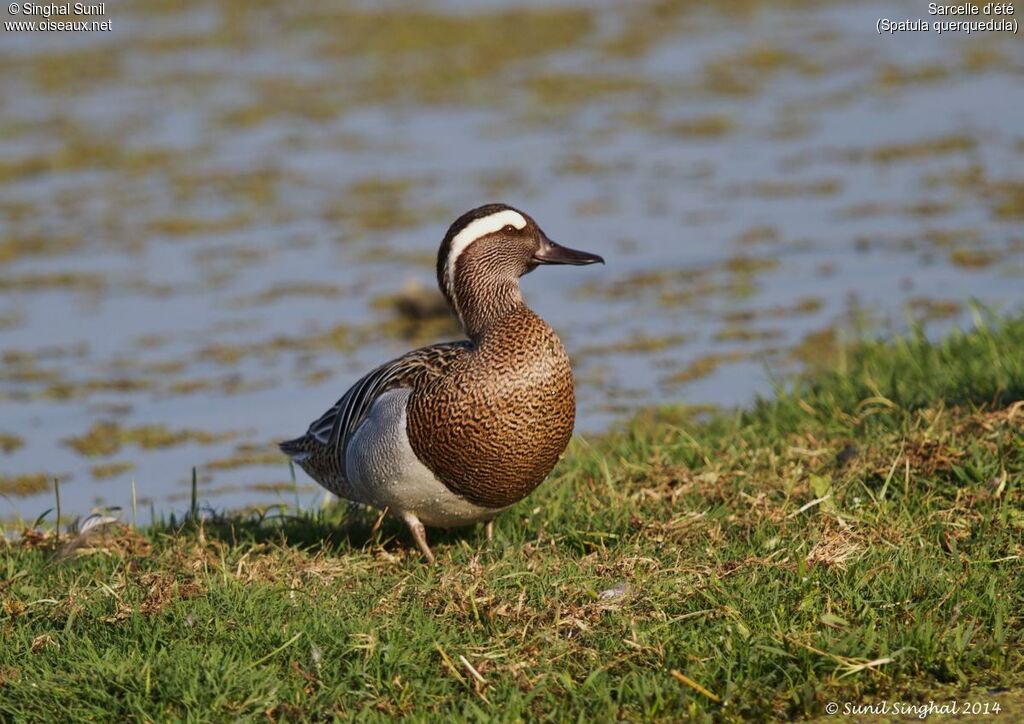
column 509, row 228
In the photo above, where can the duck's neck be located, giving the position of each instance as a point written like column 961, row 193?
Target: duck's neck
column 481, row 308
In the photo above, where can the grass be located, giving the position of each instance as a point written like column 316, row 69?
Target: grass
column 858, row 538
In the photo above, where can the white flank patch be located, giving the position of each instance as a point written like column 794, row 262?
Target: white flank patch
column 383, row 470
column 480, row 227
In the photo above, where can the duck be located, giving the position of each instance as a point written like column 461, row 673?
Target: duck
column 452, row 434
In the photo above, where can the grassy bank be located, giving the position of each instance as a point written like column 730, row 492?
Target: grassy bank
column 856, row 539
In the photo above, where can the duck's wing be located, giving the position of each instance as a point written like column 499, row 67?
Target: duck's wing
column 331, row 432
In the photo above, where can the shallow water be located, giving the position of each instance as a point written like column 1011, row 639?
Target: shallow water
column 206, row 213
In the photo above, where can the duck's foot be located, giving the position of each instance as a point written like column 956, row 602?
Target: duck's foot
column 419, row 534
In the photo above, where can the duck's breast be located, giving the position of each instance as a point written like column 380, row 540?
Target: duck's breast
column 492, row 430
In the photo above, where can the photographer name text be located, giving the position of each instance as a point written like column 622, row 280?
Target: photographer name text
column 52, row 9
column 58, row 10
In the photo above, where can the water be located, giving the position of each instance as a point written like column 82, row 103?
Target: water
column 206, row 211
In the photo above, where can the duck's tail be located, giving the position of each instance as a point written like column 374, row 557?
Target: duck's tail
column 297, row 449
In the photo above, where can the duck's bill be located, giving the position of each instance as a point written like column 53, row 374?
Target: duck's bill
column 552, row 253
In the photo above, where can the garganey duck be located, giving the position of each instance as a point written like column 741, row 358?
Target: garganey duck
column 453, row 434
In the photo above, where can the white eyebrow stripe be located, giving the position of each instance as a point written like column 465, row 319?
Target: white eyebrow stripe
column 475, row 230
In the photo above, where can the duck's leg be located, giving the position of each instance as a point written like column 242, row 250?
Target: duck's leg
column 419, row 534
column 489, row 530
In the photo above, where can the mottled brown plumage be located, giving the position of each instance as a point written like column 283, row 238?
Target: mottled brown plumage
column 494, row 426
column 484, row 420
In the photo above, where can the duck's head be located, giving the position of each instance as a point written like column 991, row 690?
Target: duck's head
column 487, row 249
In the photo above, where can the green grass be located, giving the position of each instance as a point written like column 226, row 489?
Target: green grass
column 858, row 538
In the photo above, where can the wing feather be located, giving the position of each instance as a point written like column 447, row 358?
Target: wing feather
column 334, row 428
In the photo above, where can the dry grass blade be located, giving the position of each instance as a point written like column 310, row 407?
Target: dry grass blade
column 855, row 668
column 807, row 506
column 450, row 664
column 473, row 671
column 683, row 678
column 847, row 665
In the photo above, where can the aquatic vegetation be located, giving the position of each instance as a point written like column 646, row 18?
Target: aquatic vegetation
column 424, row 56
column 283, row 99
column 901, row 75
column 184, row 226
column 25, row 484
column 1009, row 197
column 802, row 306
column 899, row 152
column 256, row 190
column 74, row 71
column 927, row 308
column 978, row 57
column 74, row 281
column 645, row 25
column 9, row 320
column 634, row 344
column 746, row 334
column 281, row 486
column 80, row 152
column 711, row 126
column 10, row 442
column 111, row 470
column 759, row 235
column 151, row 341
column 745, row 72
column 552, row 91
column 746, row 264
column 24, row 369
column 374, row 205
column 1004, row 196
column 419, row 313
column 500, row 182
column 821, row 349
column 602, row 206
column 383, row 253
column 705, row 365
column 415, row 302
column 639, row 284
column 15, row 247
column 316, row 377
column 106, row 438
column 68, row 390
column 292, row 289
column 786, row 189
column 339, row 338
column 248, row 454
column 579, row 164
column 929, row 208
column 973, row 258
